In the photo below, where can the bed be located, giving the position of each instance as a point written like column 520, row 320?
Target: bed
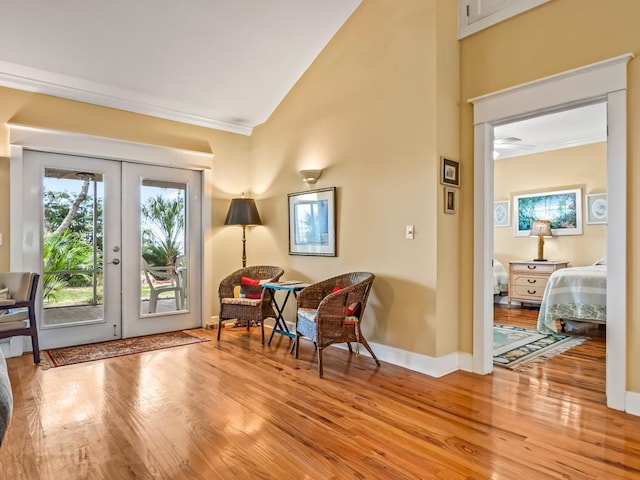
column 576, row 295
column 500, row 278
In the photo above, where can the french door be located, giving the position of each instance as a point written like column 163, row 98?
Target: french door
column 114, row 243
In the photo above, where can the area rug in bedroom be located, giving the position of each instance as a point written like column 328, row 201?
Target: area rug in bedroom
column 58, row 357
column 520, row 348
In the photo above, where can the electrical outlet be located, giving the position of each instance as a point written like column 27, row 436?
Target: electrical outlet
column 409, row 232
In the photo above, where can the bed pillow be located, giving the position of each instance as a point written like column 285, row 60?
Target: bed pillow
column 602, row 261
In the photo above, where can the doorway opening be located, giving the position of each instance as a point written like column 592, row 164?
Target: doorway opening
column 601, row 82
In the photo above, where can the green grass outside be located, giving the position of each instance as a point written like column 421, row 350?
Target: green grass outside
column 84, row 296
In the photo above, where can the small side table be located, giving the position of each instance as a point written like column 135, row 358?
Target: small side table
column 528, row 279
column 289, row 286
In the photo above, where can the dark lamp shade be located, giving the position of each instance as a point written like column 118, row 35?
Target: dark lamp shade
column 243, row 211
column 540, row 228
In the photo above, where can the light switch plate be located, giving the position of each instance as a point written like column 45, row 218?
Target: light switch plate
column 409, row 232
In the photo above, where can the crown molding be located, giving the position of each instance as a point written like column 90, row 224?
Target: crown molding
column 40, row 81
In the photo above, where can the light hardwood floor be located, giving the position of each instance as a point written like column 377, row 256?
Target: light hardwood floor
column 240, row 410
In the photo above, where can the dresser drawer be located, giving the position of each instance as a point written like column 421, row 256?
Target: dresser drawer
column 540, row 268
column 531, row 281
column 525, row 292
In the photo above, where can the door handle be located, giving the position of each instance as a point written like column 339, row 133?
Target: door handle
column 115, row 261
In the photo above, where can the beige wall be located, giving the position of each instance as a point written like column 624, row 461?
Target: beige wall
column 229, row 165
column 579, row 167
column 376, row 110
column 555, row 37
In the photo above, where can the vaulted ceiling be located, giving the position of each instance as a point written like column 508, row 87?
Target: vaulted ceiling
column 224, row 64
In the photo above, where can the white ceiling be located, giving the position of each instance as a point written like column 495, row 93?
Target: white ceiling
column 224, row 64
column 569, row 128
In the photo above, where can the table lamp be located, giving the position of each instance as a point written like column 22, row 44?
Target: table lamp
column 243, row 212
column 540, row 229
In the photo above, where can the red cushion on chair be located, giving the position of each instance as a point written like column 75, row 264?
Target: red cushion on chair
column 250, row 288
column 353, row 310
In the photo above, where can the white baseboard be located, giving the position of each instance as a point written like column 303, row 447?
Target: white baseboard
column 434, row 367
column 632, row 403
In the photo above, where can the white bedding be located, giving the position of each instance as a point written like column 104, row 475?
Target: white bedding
column 500, row 278
column 574, row 293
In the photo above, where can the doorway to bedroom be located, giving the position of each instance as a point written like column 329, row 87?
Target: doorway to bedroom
column 603, row 82
column 551, row 170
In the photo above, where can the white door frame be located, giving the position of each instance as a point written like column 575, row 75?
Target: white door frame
column 603, row 81
column 56, row 141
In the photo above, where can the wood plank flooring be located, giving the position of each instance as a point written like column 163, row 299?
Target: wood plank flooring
column 240, row 410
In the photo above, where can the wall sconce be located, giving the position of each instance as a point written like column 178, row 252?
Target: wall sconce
column 310, row 176
column 243, row 212
column 540, row 229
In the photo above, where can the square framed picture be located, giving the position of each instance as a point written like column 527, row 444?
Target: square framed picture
column 597, row 208
column 450, row 174
column 501, row 217
column 450, row 200
column 312, row 223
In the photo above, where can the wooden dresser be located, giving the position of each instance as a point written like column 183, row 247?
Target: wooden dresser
column 527, row 279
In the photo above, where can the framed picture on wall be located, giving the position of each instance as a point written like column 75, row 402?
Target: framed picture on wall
column 450, row 174
column 450, row 200
column 563, row 208
column 312, row 223
column 501, row 213
column 597, row 208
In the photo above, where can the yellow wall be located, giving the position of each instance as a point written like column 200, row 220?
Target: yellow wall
column 365, row 112
column 582, row 167
column 555, row 37
column 229, row 165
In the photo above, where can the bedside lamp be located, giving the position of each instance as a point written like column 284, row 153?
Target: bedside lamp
column 243, row 212
column 540, row 229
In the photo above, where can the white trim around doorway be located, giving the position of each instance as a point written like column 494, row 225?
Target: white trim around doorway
column 603, row 81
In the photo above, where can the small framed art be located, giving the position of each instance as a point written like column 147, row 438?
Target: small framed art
column 450, row 174
column 501, row 213
column 597, row 211
column 450, row 200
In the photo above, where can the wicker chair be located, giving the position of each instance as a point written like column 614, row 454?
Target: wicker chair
column 249, row 310
column 326, row 317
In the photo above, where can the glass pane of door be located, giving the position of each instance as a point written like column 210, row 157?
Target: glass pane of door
column 164, row 256
column 72, row 247
column 72, row 237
